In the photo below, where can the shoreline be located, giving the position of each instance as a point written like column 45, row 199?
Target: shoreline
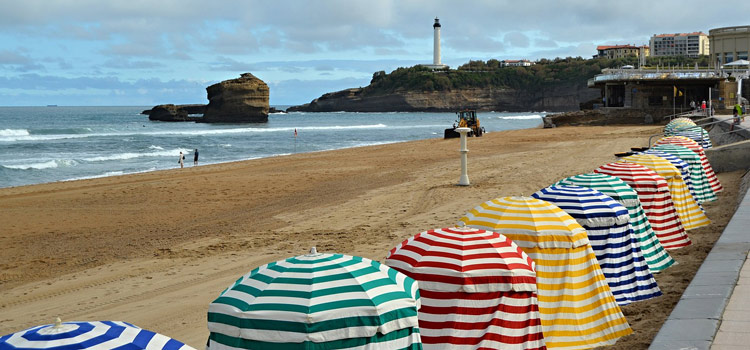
column 155, row 248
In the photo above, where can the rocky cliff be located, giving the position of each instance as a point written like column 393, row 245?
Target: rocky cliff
column 241, row 100
column 554, row 98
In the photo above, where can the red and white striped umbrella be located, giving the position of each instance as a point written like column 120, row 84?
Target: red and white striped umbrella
column 653, row 192
column 477, row 288
column 697, row 148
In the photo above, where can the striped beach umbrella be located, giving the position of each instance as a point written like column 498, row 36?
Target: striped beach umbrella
column 678, row 163
column 653, row 192
column 698, row 178
column 693, row 132
column 657, row 258
column 576, row 305
column 695, row 147
column 317, row 301
column 691, row 214
column 678, row 123
column 607, row 224
column 99, row 335
column 477, row 289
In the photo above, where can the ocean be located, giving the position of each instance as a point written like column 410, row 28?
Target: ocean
column 48, row 144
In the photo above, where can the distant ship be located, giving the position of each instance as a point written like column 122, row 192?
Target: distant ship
column 51, row 105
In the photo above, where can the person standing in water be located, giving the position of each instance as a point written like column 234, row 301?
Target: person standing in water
column 195, row 157
column 181, row 160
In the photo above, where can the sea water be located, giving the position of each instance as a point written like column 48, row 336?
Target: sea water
column 48, row 144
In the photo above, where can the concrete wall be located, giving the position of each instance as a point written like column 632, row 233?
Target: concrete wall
column 731, row 151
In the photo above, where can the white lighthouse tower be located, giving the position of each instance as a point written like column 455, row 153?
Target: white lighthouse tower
column 436, row 47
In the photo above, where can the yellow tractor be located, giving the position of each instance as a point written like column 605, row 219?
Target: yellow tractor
column 466, row 119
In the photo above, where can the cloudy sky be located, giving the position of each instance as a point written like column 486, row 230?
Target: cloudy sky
column 146, row 52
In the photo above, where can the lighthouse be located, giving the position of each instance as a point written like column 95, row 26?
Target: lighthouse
column 436, row 47
column 436, row 43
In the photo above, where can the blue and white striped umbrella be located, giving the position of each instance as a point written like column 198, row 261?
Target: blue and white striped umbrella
column 617, row 249
column 678, row 163
column 99, row 335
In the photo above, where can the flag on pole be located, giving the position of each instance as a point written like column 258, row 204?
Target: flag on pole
column 295, row 132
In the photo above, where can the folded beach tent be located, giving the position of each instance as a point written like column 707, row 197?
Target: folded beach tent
column 695, row 133
column 695, row 147
column 653, row 192
column 698, row 178
column 94, row 335
column 477, row 289
column 317, row 301
column 577, row 308
column 678, row 163
column 678, row 123
column 607, row 224
column 691, row 214
column 656, row 256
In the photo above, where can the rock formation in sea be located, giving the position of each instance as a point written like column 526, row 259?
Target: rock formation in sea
column 558, row 98
column 241, row 100
column 175, row 113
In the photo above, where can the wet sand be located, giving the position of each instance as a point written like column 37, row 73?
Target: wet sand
column 155, row 249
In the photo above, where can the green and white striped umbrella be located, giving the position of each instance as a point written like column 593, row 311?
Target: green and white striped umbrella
column 317, row 301
column 656, row 256
column 701, row 185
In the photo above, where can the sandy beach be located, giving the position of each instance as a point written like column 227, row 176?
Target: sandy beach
column 155, row 249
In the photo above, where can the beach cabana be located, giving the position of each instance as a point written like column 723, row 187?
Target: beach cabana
column 576, row 305
column 691, row 214
column 317, row 301
column 678, row 163
column 477, row 289
column 656, row 256
column 701, row 187
column 695, row 147
column 607, row 224
column 678, row 123
column 695, row 133
column 89, row 335
column 653, row 192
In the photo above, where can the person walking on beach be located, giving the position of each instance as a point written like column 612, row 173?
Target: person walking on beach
column 181, row 160
column 195, row 157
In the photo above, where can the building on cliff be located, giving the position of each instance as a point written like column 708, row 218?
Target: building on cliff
column 619, row 51
column 680, row 44
column 436, row 64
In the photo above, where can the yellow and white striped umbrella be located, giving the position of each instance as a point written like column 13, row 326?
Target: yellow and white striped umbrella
column 690, row 213
column 577, row 308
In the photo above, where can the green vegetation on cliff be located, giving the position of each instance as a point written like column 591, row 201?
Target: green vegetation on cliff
column 480, row 74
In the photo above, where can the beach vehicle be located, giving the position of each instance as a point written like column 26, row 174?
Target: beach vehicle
column 467, row 118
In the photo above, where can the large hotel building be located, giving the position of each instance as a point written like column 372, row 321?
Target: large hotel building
column 680, row 44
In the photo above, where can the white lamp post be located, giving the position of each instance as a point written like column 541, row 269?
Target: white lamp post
column 464, row 179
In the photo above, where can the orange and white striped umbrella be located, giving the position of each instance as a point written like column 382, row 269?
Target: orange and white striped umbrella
column 697, row 148
column 477, row 289
column 691, row 214
column 653, row 192
column 576, row 305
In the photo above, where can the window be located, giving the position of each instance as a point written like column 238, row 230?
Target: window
column 742, row 55
column 728, row 57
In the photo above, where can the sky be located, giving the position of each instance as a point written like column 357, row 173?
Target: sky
column 146, row 52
